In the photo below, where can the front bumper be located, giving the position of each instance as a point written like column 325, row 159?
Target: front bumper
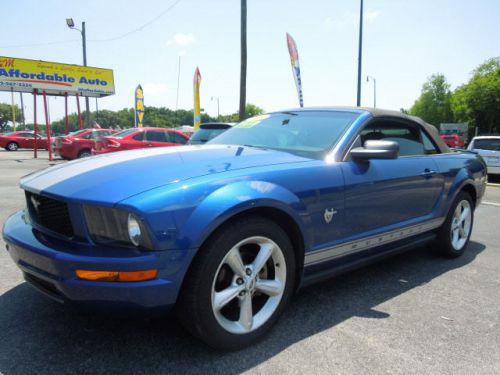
column 50, row 264
column 493, row 169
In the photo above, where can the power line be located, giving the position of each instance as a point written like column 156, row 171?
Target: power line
column 140, row 28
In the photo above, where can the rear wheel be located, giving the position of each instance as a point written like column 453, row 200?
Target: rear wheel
column 454, row 235
column 12, row 146
column 239, row 284
column 84, row 154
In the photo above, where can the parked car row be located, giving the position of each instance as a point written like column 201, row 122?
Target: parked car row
column 87, row 142
column 21, row 139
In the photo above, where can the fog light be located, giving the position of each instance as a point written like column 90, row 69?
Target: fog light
column 116, row 275
column 134, row 230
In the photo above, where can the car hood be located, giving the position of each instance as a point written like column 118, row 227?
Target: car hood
column 110, row 178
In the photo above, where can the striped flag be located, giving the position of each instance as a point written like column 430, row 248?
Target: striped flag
column 294, row 59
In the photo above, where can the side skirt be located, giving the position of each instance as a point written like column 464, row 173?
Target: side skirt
column 319, row 272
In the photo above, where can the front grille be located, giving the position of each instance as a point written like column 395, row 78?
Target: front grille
column 50, row 213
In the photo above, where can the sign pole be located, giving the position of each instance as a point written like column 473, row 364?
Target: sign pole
column 34, row 122
column 47, row 125
column 79, row 113
column 13, row 111
column 66, row 125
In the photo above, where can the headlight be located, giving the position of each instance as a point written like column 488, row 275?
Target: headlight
column 114, row 226
column 134, row 230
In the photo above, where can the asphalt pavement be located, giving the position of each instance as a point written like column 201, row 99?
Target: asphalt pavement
column 415, row 313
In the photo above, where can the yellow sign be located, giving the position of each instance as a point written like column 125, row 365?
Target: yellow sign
column 139, row 106
column 197, row 108
column 24, row 75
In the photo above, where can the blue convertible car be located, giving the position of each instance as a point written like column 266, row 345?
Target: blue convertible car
column 228, row 231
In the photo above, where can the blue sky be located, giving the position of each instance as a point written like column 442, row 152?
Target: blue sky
column 405, row 41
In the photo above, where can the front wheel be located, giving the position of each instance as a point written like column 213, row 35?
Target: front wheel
column 454, row 235
column 12, row 146
column 239, row 284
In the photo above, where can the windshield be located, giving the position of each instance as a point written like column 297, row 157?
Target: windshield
column 77, row 132
column 204, row 135
column 304, row 133
column 124, row 133
column 492, row 144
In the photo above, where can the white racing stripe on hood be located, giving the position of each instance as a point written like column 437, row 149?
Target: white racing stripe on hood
column 43, row 179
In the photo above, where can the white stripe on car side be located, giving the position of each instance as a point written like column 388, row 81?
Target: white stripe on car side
column 42, row 180
column 352, row 247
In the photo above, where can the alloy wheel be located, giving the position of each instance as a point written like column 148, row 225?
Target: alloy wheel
column 248, row 285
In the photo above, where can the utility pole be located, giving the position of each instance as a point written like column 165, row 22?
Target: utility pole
column 358, row 102
column 178, row 80
column 22, row 110
column 84, row 44
column 71, row 25
column 243, row 72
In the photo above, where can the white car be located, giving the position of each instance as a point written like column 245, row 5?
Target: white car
column 489, row 148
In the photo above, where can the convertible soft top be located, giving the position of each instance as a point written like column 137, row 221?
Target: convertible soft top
column 376, row 112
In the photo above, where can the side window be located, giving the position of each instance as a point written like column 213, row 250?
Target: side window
column 25, row 135
column 139, row 136
column 406, row 135
column 429, row 147
column 177, row 138
column 156, row 136
column 88, row 135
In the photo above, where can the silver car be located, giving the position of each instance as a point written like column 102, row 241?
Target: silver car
column 489, row 148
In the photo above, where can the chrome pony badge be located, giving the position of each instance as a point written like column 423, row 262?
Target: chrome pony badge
column 329, row 212
column 35, row 203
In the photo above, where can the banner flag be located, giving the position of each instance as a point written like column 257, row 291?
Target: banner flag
column 197, row 110
column 294, row 59
column 139, row 106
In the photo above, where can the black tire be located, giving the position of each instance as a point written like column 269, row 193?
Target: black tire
column 84, row 154
column 444, row 242
column 12, row 146
column 195, row 306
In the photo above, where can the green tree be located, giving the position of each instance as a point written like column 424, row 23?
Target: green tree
column 478, row 101
column 250, row 110
column 434, row 104
column 6, row 115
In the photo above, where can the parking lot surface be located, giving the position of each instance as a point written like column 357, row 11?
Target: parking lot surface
column 415, row 313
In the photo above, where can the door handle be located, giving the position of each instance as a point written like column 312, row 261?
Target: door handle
column 428, row 172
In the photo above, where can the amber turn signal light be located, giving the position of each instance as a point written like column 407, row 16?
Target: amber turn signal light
column 116, row 275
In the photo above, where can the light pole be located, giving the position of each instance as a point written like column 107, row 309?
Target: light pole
column 71, row 25
column 368, row 78
column 360, row 49
column 218, row 113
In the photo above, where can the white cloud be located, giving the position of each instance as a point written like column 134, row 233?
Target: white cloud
column 349, row 19
column 154, row 88
column 371, row 15
column 182, row 39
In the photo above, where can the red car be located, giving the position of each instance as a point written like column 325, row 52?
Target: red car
column 453, row 140
column 140, row 138
column 79, row 144
column 22, row 139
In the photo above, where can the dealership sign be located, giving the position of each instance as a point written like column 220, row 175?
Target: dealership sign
column 54, row 78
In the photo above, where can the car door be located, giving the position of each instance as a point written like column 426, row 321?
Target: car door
column 386, row 194
column 157, row 138
column 25, row 140
column 177, row 139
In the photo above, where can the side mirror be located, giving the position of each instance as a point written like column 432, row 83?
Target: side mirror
column 376, row 149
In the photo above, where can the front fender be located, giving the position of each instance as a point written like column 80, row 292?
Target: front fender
column 233, row 199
